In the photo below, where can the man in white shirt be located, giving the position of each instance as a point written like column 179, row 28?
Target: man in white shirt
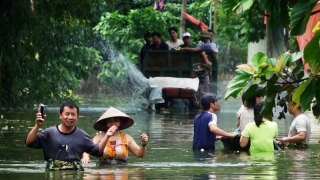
column 174, row 42
column 300, row 129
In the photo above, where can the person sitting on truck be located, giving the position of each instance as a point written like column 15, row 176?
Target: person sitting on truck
column 157, row 43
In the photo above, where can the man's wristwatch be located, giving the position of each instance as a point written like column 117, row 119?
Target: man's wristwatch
column 143, row 145
column 284, row 139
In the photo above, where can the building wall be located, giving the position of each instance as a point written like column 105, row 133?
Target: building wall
column 261, row 46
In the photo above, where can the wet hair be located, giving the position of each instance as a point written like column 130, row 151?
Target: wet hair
column 173, row 29
column 156, row 34
column 257, row 114
column 251, row 101
column 210, row 30
column 147, row 34
column 70, row 105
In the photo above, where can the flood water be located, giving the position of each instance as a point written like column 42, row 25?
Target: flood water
column 169, row 151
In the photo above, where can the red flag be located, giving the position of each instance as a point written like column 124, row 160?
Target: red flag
column 195, row 21
column 312, row 27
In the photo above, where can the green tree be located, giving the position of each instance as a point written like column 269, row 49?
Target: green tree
column 45, row 49
column 283, row 74
column 126, row 31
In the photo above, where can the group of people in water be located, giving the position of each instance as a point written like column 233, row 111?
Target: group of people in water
column 66, row 147
column 253, row 128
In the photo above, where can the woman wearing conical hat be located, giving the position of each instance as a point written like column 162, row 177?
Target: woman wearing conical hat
column 118, row 144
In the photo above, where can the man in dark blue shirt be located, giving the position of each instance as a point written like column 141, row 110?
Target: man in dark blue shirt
column 205, row 130
column 145, row 48
column 157, row 43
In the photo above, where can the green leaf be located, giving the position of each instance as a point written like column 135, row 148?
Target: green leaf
column 233, row 92
column 317, row 90
column 297, row 94
column 312, row 53
column 316, row 109
column 297, row 69
column 284, row 58
column 266, row 70
column 246, row 4
column 272, row 81
column 300, row 15
column 251, row 90
column 272, row 62
column 246, row 67
column 258, row 59
column 269, row 103
column 238, row 83
column 284, row 14
column 307, row 96
column 296, row 56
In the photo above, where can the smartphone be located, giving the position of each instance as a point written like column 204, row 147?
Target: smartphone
column 41, row 107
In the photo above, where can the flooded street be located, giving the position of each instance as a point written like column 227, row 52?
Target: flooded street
column 169, row 151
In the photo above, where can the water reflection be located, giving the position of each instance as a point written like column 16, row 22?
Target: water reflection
column 116, row 173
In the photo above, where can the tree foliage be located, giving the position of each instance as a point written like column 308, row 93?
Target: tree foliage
column 126, row 31
column 44, row 49
column 283, row 74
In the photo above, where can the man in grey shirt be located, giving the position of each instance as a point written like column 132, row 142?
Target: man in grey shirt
column 64, row 144
column 300, row 129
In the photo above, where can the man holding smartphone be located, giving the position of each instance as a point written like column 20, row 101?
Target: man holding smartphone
column 64, row 144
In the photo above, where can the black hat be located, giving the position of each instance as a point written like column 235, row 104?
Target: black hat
column 207, row 98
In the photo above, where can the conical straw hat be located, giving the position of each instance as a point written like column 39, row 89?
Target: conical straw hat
column 126, row 121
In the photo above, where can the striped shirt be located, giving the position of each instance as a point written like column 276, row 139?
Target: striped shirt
column 117, row 149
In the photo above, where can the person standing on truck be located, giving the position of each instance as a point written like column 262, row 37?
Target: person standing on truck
column 206, row 46
column 213, row 44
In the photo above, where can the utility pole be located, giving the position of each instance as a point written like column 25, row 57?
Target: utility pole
column 182, row 19
column 215, row 15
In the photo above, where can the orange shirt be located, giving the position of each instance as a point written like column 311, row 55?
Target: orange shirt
column 117, row 148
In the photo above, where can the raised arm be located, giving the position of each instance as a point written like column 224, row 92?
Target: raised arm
column 103, row 141
column 134, row 148
column 32, row 136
